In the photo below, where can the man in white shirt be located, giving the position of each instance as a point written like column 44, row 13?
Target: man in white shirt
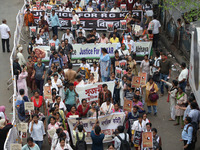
column 115, row 9
column 22, row 60
column 77, row 20
column 121, row 135
column 90, row 7
column 5, row 35
column 68, row 36
column 130, row 43
column 156, row 29
column 38, row 40
column 182, row 78
column 81, row 30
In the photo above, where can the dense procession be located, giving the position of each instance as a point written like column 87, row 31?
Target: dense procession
column 95, row 85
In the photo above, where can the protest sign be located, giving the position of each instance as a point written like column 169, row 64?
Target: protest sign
column 42, row 52
column 110, row 27
column 51, row 132
column 15, row 146
column 136, row 82
column 118, row 73
column 24, row 127
column 137, row 28
column 91, row 52
column 142, row 48
column 143, row 76
column 73, row 24
column 108, row 124
column 123, row 64
column 137, row 137
column 90, row 92
column 89, row 20
column 123, row 7
column 47, row 92
column 128, row 105
column 147, row 140
column 32, row 31
column 123, row 25
column 29, row 105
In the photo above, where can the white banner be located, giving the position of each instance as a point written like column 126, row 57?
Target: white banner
column 107, row 123
column 91, row 51
column 91, row 91
column 143, row 48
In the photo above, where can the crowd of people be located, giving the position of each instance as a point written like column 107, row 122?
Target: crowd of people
column 62, row 79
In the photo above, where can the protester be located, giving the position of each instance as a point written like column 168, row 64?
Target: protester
column 106, row 107
column 133, row 65
column 21, row 82
column 30, row 82
column 83, row 108
column 54, row 22
column 28, row 19
column 104, row 95
column 145, row 66
column 157, row 144
column 72, row 112
column 172, row 93
column 93, row 110
column 68, row 36
column 194, row 114
column 4, row 129
column 5, row 35
column 63, row 145
column 182, row 78
column 97, row 137
column 151, row 88
column 104, row 65
column 22, row 60
column 84, row 69
column 37, row 130
column 30, row 145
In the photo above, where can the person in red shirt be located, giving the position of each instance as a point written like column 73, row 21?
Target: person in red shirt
column 78, row 80
column 72, row 112
column 83, row 108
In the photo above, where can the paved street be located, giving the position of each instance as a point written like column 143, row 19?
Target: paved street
column 169, row 133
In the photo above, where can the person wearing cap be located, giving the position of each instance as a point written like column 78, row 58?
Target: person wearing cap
column 20, row 56
column 28, row 19
column 5, row 35
column 182, row 78
column 84, row 69
column 78, row 8
column 4, row 129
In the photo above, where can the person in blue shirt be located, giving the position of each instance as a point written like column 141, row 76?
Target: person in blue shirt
column 30, row 145
column 187, row 134
column 97, row 137
column 54, row 22
column 56, row 60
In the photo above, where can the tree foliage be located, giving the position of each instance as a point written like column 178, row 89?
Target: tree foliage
column 189, row 8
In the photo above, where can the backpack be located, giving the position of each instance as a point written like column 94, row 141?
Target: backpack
column 124, row 143
column 194, row 132
column 81, row 144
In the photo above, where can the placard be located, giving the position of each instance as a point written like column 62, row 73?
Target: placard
column 110, row 27
column 37, row 4
column 73, row 23
column 49, row 7
column 29, row 105
column 147, row 140
column 123, row 25
column 137, row 137
column 47, row 92
column 143, row 76
column 118, row 73
column 137, row 28
column 24, row 135
column 136, row 82
column 128, row 105
column 32, row 31
column 123, row 7
column 15, row 146
column 51, row 132
column 123, row 64
column 24, row 127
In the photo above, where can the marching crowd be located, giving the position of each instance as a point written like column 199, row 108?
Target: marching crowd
column 32, row 78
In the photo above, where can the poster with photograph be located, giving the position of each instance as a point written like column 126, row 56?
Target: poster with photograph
column 128, row 105
column 136, row 82
column 143, row 76
column 24, row 127
column 73, row 23
column 118, row 73
column 110, row 26
column 147, row 140
column 32, row 31
column 34, row 8
column 123, row 64
column 49, row 8
column 137, row 137
column 124, row 72
column 123, row 7
column 123, row 25
column 37, row 4
column 47, row 92
column 24, row 135
column 29, row 105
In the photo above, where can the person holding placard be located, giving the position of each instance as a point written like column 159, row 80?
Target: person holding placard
column 145, row 66
column 106, row 107
column 53, row 125
column 37, row 130
column 131, row 63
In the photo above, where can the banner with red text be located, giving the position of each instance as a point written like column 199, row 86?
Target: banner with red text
column 108, row 124
column 91, row 91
